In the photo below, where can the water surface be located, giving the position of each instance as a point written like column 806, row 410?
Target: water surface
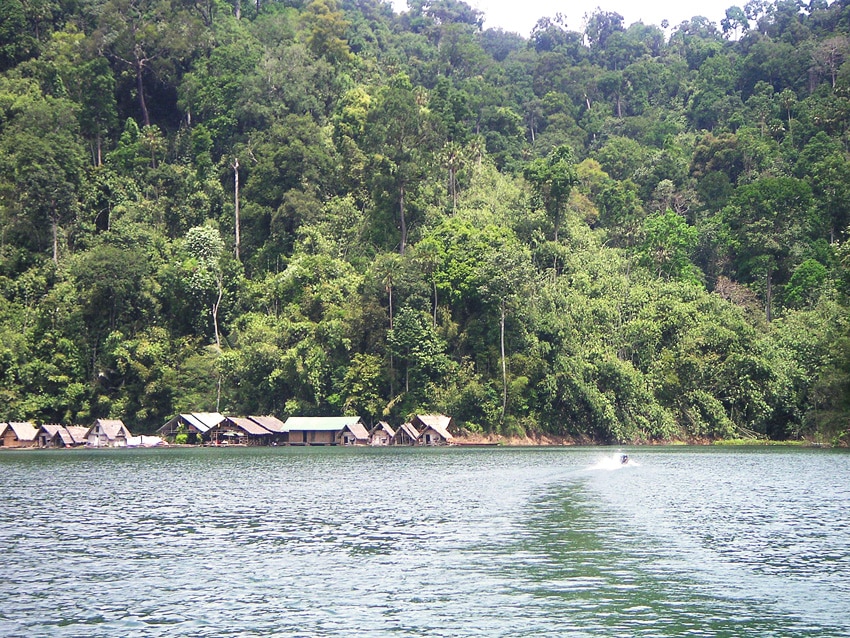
column 437, row 542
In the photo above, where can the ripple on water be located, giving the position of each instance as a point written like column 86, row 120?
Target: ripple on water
column 311, row 542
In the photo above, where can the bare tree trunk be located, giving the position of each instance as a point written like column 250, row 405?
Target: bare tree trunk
column 435, row 303
column 392, row 367
column 218, row 395
column 402, row 220
column 390, row 293
column 54, row 226
column 504, row 365
column 453, row 187
column 236, row 202
column 769, row 296
column 140, row 87
column 215, row 314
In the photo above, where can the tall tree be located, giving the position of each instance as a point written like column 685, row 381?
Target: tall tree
column 204, row 270
column 553, row 178
column 42, row 161
column 507, row 277
column 402, row 136
column 147, row 37
column 768, row 220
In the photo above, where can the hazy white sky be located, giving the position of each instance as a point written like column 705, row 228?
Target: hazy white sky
column 521, row 15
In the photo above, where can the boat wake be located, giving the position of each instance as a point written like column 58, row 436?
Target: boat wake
column 615, row 461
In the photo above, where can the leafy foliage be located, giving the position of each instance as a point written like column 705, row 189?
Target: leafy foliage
column 612, row 235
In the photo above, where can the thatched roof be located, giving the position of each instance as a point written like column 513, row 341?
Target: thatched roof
column 24, row 431
column 382, row 426
column 438, row 422
column 358, row 430
column 411, row 431
column 54, row 429
column 271, row 423
column 321, row 423
column 112, row 428
column 78, row 433
column 247, row 425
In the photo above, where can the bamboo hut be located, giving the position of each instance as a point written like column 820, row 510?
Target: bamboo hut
column 18, row 435
column 278, row 429
column 406, row 434
column 322, row 430
column 108, row 433
column 381, row 434
column 433, row 429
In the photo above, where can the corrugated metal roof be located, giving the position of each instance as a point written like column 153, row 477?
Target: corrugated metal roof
column 199, row 421
column 320, row 423
column 437, row 422
column 271, row 423
column 25, row 431
column 207, row 419
column 247, row 425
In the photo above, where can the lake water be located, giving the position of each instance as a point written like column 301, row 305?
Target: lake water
column 425, row 542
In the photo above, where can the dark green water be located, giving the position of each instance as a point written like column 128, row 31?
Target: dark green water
column 425, row 542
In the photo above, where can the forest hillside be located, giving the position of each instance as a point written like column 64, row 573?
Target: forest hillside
column 630, row 233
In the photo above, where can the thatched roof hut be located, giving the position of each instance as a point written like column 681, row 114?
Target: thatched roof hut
column 325, row 430
column 278, row 429
column 18, row 434
column 406, row 434
column 108, row 433
column 56, row 435
column 237, row 429
column 353, row 434
column 381, row 434
column 433, row 428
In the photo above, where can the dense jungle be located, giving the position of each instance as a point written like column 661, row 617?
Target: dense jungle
column 629, row 233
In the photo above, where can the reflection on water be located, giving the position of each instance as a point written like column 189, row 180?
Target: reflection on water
column 451, row 542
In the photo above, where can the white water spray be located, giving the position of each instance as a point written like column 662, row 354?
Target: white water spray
column 615, row 461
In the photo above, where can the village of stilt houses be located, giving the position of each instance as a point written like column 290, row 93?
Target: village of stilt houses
column 212, row 428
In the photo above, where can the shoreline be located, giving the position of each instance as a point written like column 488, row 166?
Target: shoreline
column 548, row 440
column 497, row 440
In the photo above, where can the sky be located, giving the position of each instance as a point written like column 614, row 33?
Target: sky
column 520, row 16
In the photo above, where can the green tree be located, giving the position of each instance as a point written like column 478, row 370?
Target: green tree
column 768, row 220
column 667, row 246
column 41, row 168
column 204, row 272
column 553, row 179
column 417, row 349
column 402, row 138
column 507, row 280
column 15, row 42
column 148, row 38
